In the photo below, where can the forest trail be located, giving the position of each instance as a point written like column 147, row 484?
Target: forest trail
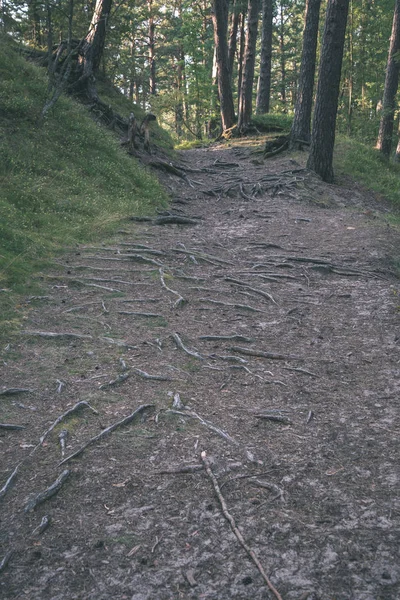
column 266, row 333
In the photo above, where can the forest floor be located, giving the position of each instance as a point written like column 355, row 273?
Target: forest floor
column 266, row 334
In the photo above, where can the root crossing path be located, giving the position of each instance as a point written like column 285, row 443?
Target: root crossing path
column 206, row 405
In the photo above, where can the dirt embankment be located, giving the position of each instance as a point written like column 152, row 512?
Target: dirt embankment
column 265, row 333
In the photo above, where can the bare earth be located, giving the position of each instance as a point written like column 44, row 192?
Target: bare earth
column 297, row 412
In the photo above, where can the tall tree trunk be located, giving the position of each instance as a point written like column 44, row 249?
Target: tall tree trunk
column 220, row 23
column 152, row 60
column 264, row 80
column 233, row 34
column 93, row 47
column 384, row 143
column 282, row 57
column 301, row 128
column 246, row 92
column 324, row 121
column 241, row 55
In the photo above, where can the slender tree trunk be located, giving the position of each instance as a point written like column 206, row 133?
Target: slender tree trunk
column 282, row 57
column 246, row 92
column 301, row 128
column 264, row 80
column 220, row 23
column 152, row 60
column 324, row 121
column 397, row 155
column 233, row 35
column 241, row 56
column 384, row 143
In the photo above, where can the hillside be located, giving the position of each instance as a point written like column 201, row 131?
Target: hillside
column 63, row 181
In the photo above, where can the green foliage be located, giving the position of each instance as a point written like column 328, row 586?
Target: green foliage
column 271, row 122
column 366, row 166
column 62, row 182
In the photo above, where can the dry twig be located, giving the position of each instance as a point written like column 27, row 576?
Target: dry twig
column 234, row 528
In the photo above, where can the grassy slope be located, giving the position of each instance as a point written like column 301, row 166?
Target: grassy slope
column 61, row 182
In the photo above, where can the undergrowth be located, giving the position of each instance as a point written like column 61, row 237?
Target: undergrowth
column 62, row 182
column 365, row 165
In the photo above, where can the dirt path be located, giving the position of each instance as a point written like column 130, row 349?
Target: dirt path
column 297, row 408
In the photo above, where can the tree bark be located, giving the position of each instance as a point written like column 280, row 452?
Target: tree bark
column 220, row 23
column 246, row 92
column 152, row 60
column 384, row 143
column 301, row 128
column 282, row 58
column 264, row 80
column 324, row 121
column 233, row 34
column 92, row 49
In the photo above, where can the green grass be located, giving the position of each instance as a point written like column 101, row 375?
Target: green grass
column 62, row 182
column 365, row 165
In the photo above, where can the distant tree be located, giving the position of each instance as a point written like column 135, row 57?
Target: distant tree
column 301, row 129
column 246, row 92
column 220, row 23
column 384, row 143
column 264, row 79
column 326, row 103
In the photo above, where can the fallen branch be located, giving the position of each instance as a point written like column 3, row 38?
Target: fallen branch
column 234, row 528
column 62, row 437
column 49, row 493
column 68, row 413
column 175, row 220
column 41, row 528
column 298, row 370
column 5, row 560
column 261, row 354
column 231, row 305
column 194, row 415
column 56, row 335
column 145, row 375
column 180, row 345
column 107, row 431
column 181, row 300
column 227, row 338
column 274, row 417
column 140, row 314
column 9, row 481
column 11, row 427
column 15, row 391
column 248, row 287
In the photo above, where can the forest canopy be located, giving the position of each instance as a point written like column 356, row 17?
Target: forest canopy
column 202, row 64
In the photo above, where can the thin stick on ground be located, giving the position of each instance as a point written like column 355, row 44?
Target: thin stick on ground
column 9, row 481
column 5, row 560
column 208, row 424
column 107, row 431
column 234, row 528
column 67, row 413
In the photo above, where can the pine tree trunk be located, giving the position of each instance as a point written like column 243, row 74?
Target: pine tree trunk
column 282, row 59
column 246, row 92
column 152, row 61
column 264, row 80
column 220, row 23
column 241, row 56
column 301, row 128
column 324, row 121
column 233, row 35
column 384, row 143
